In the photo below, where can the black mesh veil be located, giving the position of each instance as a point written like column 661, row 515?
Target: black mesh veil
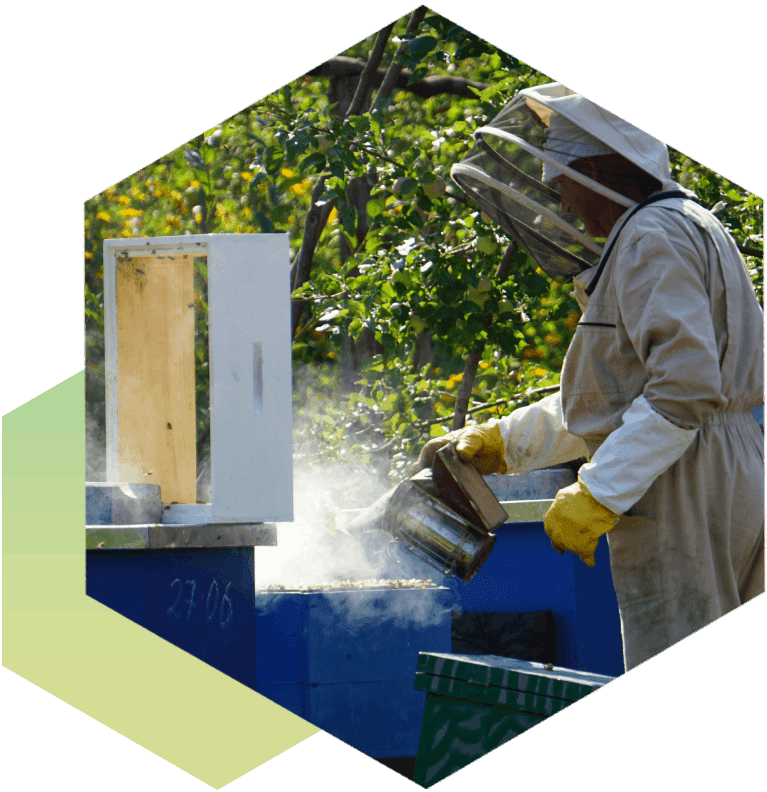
column 504, row 175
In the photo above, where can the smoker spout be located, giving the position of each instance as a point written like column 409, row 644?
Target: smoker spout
column 371, row 519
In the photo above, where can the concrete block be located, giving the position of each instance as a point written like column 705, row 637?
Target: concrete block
column 120, row 503
column 535, row 485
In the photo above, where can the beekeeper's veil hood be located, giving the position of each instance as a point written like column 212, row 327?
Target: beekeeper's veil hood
column 510, row 169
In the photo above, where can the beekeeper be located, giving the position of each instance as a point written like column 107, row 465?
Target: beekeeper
column 660, row 379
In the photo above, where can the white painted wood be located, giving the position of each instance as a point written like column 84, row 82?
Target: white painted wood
column 251, row 431
column 110, row 362
column 191, row 245
column 187, row 514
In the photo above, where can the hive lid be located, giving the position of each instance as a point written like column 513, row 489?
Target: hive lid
column 504, row 681
column 462, row 487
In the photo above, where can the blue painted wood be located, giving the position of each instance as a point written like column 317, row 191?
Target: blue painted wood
column 380, row 718
column 201, row 600
column 289, row 695
column 354, row 654
column 523, row 573
column 281, row 624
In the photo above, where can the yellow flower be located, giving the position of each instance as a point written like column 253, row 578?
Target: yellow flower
column 553, row 339
column 453, row 380
column 539, row 372
column 262, row 187
column 298, row 189
column 572, row 321
column 333, row 216
column 197, row 217
column 88, row 255
column 247, row 175
column 194, row 183
column 104, row 216
column 484, row 365
column 123, row 199
column 130, row 212
column 331, row 355
column 286, row 173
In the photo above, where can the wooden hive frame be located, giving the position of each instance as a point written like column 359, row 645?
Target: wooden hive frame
column 149, row 312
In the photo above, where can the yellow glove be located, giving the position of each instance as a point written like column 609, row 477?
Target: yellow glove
column 576, row 520
column 480, row 444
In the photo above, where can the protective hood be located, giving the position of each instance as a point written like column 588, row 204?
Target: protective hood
column 510, row 170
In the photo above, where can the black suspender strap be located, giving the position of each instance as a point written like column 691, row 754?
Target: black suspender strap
column 606, row 255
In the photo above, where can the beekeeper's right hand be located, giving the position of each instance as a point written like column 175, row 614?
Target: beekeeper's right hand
column 480, row 444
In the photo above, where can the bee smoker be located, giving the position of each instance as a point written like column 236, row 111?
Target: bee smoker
column 444, row 515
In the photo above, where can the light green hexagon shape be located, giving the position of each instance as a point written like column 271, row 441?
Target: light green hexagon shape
column 119, row 673
column 46, row 589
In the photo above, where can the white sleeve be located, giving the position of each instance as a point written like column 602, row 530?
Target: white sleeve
column 633, row 456
column 535, row 437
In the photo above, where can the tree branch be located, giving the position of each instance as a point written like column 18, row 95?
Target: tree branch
column 394, row 70
column 751, row 251
column 464, row 389
column 463, row 395
column 317, row 216
column 368, row 73
column 486, row 406
column 434, row 85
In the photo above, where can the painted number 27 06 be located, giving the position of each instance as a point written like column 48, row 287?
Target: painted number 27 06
column 218, row 605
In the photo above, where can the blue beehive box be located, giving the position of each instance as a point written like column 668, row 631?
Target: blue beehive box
column 202, row 600
column 344, row 659
column 523, row 573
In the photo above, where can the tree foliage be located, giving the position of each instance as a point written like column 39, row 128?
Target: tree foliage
column 403, row 295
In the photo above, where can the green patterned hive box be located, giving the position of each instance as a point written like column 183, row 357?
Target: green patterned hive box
column 475, row 703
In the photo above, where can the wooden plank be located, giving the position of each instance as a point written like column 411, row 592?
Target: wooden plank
column 251, row 405
column 155, row 374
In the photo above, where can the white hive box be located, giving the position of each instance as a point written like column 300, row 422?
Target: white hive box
column 150, row 380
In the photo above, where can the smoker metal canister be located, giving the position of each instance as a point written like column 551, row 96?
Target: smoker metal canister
column 434, row 532
column 445, row 515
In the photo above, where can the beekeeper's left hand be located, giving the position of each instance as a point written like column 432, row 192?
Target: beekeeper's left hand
column 480, row 444
column 576, row 520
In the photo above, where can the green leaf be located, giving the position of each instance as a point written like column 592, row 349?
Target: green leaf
column 375, row 207
column 315, row 161
column 356, row 308
column 421, row 46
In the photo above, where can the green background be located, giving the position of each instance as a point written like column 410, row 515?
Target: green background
column 96, row 91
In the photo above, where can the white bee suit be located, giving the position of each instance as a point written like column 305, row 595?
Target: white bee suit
column 662, row 373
